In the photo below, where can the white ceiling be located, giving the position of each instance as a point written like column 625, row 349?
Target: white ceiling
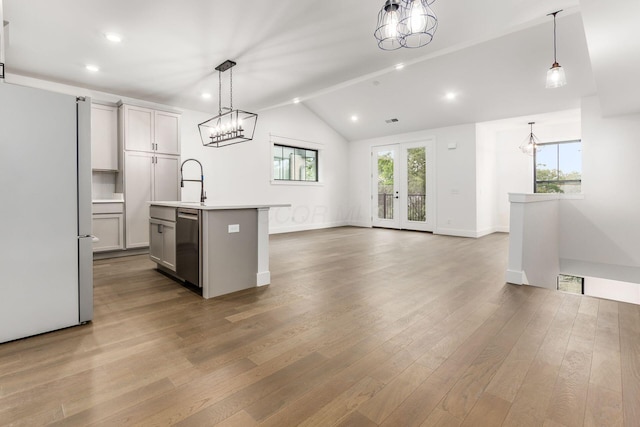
column 493, row 55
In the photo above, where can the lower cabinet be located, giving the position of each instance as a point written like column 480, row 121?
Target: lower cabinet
column 162, row 243
column 107, row 226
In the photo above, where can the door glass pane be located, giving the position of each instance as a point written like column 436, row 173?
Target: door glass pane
column 385, row 184
column 416, row 184
column 570, row 166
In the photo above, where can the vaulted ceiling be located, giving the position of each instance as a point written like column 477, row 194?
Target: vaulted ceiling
column 492, row 55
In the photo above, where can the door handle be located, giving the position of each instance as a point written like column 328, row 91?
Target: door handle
column 160, row 228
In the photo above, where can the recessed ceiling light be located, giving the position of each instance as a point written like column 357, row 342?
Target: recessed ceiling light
column 399, row 66
column 354, row 118
column 206, row 95
column 113, row 37
column 92, row 68
column 450, row 96
column 296, row 100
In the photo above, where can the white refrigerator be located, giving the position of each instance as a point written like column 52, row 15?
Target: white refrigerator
column 46, row 270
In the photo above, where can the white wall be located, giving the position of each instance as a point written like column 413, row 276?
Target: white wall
column 455, row 178
column 241, row 174
column 533, row 241
column 514, row 169
column 604, row 227
column 486, row 181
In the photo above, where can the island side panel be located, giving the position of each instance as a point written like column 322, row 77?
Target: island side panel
column 264, row 275
column 231, row 260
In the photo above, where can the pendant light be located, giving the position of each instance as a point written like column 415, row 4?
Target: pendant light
column 405, row 23
column 232, row 126
column 555, row 75
column 387, row 29
column 531, row 144
column 418, row 25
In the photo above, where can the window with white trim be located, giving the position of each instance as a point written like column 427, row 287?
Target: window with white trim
column 294, row 163
column 558, row 167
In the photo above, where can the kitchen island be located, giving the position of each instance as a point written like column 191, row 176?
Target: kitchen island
column 218, row 249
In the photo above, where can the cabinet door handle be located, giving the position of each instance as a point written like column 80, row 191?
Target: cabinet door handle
column 160, row 228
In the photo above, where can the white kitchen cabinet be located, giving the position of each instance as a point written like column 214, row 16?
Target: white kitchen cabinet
column 108, row 226
column 104, row 137
column 144, row 129
column 147, row 177
column 162, row 243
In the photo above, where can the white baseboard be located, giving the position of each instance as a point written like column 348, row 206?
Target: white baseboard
column 306, row 227
column 263, row 278
column 455, row 232
column 516, row 277
column 364, row 224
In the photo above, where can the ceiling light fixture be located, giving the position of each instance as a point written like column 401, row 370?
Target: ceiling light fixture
column 531, row 144
column 354, row 118
column 450, row 96
column 555, row 75
column 232, row 126
column 399, row 66
column 92, row 68
column 405, row 23
column 113, row 37
column 296, row 100
column 206, row 95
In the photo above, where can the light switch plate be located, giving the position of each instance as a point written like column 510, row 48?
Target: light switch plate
column 234, row 228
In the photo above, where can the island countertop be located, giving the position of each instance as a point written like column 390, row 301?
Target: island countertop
column 213, row 207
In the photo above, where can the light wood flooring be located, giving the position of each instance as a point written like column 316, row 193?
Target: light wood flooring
column 360, row 327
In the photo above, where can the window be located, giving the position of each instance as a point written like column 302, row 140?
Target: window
column 572, row 284
column 294, row 164
column 558, row 167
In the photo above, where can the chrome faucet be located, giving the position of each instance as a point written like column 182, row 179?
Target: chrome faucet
column 203, row 195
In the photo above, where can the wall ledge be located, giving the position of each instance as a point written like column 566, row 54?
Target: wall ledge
column 532, row 197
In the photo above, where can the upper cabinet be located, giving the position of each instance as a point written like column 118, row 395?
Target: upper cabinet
column 150, row 130
column 104, row 137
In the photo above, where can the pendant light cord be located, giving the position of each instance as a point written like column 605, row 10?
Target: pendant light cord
column 555, row 56
column 554, row 38
column 231, row 88
column 219, row 92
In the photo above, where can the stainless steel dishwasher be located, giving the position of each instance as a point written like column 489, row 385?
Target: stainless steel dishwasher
column 188, row 245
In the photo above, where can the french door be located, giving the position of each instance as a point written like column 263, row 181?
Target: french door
column 402, row 186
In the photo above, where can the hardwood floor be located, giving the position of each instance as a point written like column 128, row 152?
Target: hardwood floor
column 360, row 327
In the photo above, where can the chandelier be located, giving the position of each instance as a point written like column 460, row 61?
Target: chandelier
column 555, row 75
column 531, row 144
column 405, row 23
column 231, row 126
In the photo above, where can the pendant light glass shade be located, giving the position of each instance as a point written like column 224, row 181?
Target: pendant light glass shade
column 405, row 23
column 555, row 75
column 531, row 144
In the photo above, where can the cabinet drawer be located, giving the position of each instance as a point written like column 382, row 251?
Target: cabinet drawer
column 163, row 212
column 107, row 208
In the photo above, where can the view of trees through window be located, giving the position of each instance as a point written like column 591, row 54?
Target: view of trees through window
column 558, row 167
column 416, row 184
column 294, row 164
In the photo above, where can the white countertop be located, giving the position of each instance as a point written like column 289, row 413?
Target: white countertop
column 213, row 207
